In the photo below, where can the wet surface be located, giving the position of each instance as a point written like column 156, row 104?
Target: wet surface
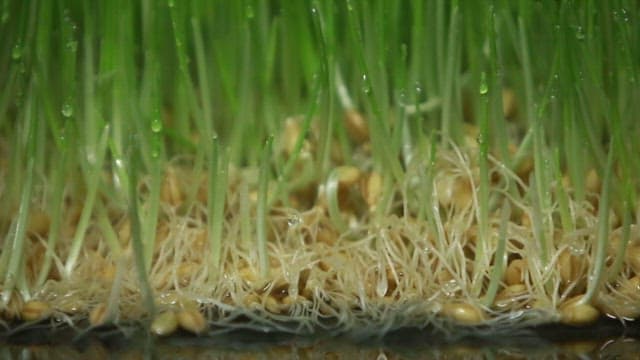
column 606, row 339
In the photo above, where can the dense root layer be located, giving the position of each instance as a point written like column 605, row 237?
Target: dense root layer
column 354, row 251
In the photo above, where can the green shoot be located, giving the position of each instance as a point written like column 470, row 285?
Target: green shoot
column 216, row 201
column 261, row 211
column 602, row 237
column 93, row 182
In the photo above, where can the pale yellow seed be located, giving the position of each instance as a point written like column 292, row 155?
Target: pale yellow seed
column 463, row 313
column 515, row 272
column 454, row 192
column 35, row 310
column 165, row 324
column 98, row 316
column 631, row 287
column 290, row 300
column 572, row 312
column 632, row 258
column 292, row 131
column 625, row 303
column 348, row 175
column 70, row 306
column 248, row 275
column 185, row 272
column 593, row 182
column 272, row 305
column 570, row 267
column 13, row 309
column 107, row 272
column 170, row 193
column 509, row 104
column 372, row 190
column 356, row 126
column 192, row 321
column 470, row 138
column 124, row 232
column 39, row 223
column 326, row 235
column 509, row 295
column 252, row 300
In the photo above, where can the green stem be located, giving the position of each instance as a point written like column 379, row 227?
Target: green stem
column 261, row 212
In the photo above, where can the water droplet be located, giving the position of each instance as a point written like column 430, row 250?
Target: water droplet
column 16, row 52
column 484, row 87
column 293, row 221
column 419, row 88
column 72, row 46
column 366, row 85
column 156, row 125
column 624, row 14
column 67, row 109
column 577, row 248
column 580, row 33
column 450, row 287
column 171, row 3
column 249, row 13
column 314, row 11
column 402, row 95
